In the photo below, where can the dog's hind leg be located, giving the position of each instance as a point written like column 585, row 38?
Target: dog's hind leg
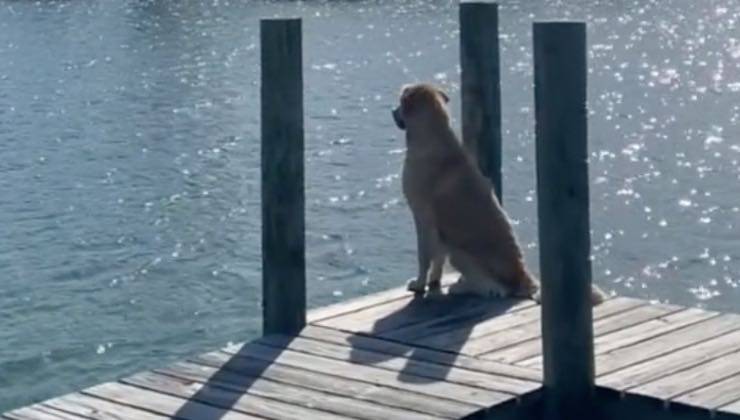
column 512, row 276
column 474, row 279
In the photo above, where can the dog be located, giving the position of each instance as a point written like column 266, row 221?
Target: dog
column 456, row 215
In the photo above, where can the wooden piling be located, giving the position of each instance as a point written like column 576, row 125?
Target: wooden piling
column 481, row 87
column 283, row 201
column 563, row 207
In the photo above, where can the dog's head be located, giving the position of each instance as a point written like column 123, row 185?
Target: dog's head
column 418, row 99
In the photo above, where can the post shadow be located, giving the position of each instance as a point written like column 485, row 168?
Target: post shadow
column 283, row 218
column 230, row 383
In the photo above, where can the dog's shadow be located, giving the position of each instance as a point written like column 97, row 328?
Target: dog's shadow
column 426, row 335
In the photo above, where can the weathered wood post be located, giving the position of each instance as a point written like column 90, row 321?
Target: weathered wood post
column 563, row 207
column 481, row 87
column 283, row 215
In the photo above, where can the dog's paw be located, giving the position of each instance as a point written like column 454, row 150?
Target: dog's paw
column 434, row 293
column 496, row 293
column 598, row 296
column 416, row 285
column 461, row 287
column 537, row 297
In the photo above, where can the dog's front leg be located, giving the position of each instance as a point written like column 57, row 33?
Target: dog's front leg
column 438, row 256
column 435, row 272
column 424, row 254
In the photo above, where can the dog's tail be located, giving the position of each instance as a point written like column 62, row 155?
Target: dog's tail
column 598, row 296
column 531, row 290
column 528, row 286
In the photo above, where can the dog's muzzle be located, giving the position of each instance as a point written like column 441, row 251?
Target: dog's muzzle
column 398, row 119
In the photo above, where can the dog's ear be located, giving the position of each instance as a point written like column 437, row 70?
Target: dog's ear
column 408, row 99
column 443, row 94
column 405, row 88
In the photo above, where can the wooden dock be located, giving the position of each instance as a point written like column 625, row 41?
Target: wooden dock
column 390, row 356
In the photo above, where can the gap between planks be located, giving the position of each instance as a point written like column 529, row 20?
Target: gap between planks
column 643, row 331
column 363, row 302
column 713, row 396
column 371, row 374
column 265, row 398
column 423, row 353
column 664, row 344
column 689, row 379
column 685, row 358
column 327, row 397
column 337, row 378
column 510, row 345
column 416, row 370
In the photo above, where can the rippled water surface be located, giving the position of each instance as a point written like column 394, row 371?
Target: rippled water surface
column 129, row 196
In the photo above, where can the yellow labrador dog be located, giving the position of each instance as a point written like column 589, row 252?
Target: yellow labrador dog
column 455, row 212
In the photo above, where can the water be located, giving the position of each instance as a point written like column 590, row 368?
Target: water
column 129, row 196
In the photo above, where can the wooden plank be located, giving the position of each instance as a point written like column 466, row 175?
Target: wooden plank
column 678, row 360
column 283, row 196
column 529, row 354
column 634, row 317
column 288, row 393
column 733, row 408
column 714, row 395
column 96, row 408
column 371, row 374
column 532, row 331
column 616, row 305
column 40, row 412
column 527, row 407
column 453, row 340
column 194, row 397
column 650, row 329
column 466, row 317
column 329, row 382
column 373, row 400
column 352, row 306
column 163, row 404
column 693, row 378
column 397, row 349
column 380, row 317
column 408, row 366
column 456, row 340
column 613, row 405
column 642, row 332
column 481, row 87
column 249, row 395
column 608, row 316
column 388, row 317
column 502, row 339
column 684, row 337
